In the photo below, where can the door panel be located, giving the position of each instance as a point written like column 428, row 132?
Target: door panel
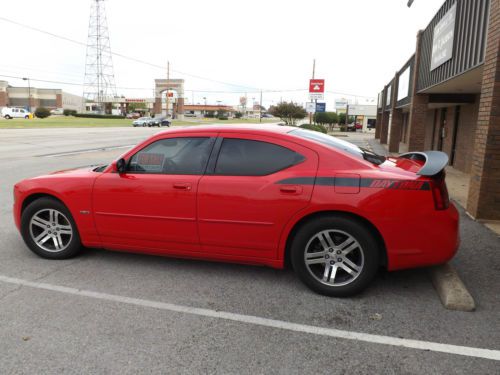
column 149, row 209
column 244, row 215
column 153, row 205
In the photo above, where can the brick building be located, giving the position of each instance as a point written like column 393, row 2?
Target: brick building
column 447, row 97
column 32, row 97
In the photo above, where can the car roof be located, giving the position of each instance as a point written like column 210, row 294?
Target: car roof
column 237, row 128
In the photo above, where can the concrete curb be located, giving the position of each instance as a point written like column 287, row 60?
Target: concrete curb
column 451, row 290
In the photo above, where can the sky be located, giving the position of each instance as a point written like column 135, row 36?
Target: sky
column 266, row 45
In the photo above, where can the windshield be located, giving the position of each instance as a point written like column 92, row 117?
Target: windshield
column 339, row 144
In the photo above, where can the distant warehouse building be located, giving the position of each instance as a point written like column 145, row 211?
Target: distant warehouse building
column 447, row 97
column 32, row 97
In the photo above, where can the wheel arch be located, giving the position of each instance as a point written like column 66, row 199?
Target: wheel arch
column 338, row 213
column 35, row 196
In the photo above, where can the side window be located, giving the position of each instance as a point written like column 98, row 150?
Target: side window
column 173, row 156
column 242, row 157
column 15, row 110
column 21, row 110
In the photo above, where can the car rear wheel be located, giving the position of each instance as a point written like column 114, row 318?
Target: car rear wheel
column 49, row 230
column 7, row 117
column 335, row 256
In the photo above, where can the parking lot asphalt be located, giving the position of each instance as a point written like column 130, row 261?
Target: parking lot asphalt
column 47, row 330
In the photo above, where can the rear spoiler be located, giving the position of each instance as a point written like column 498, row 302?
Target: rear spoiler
column 434, row 161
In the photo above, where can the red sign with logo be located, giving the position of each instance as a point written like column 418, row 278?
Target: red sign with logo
column 317, row 86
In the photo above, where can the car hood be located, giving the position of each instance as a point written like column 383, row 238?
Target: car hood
column 76, row 171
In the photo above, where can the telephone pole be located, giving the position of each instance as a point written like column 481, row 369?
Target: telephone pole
column 168, row 82
column 260, row 107
column 315, row 100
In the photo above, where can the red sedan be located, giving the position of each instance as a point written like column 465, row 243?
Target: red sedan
column 268, row 195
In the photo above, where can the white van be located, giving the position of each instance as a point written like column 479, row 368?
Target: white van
column 9, row 112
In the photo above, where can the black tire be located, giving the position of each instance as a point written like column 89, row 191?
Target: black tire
column 73, row 244
column 26, row 117
column 365, row 256
column 7, row 117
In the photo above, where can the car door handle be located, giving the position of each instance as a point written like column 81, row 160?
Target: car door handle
column 291, row 189
column 182, row 185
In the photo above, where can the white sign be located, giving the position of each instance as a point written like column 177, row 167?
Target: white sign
column 316, row 96
column 340, row 103
column 310, row 107
column 442, row 41
column 388, row 96
column 404, row 84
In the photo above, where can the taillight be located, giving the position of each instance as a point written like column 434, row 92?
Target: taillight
column 440, row 192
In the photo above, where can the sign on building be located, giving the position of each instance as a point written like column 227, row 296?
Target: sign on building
column 316, row 89
column 340, row 104
column 442, row 41
column 310, row 107
column 320, row 107
column 388, row 96
column 404, row 84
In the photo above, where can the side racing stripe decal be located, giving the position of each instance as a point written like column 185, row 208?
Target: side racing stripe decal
column 379, row 183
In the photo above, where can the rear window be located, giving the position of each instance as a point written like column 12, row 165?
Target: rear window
column 244, row 157
column 339, row 144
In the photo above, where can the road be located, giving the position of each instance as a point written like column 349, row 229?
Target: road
column 109, row 312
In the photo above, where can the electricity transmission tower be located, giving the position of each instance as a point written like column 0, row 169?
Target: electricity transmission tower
column 99, row 83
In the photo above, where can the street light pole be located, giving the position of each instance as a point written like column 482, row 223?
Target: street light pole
column 29, row 92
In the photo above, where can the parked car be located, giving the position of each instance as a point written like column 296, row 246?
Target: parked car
column 358, row 126
column 12, row 112
column 57, row 111
column 142, row 121
column 351, row 127
column 269, row 195
column 159, row 121
column 165, row 122
column 133, row 115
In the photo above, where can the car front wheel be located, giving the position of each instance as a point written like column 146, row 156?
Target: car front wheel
column 49, row 230
column 335, row 256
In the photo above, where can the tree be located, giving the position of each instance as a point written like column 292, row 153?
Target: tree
column 238, row 114
column 289, row 113
column 341, row 118
column 42, row 112
column 133, row 107
column 326, row 119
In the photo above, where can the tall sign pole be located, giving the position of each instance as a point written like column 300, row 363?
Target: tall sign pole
column 168, row 82
column 314, row 70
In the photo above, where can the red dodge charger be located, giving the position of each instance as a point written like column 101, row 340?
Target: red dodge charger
column 268, row 195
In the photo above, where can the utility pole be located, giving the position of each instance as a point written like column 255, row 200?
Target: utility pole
column 168, row 82
column 29, row 93
column 260, row 107
column 315, row 100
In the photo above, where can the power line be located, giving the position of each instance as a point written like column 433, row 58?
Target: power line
column 192, row 90
column 124, row 56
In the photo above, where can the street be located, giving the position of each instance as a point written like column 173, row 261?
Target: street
column 131, row 313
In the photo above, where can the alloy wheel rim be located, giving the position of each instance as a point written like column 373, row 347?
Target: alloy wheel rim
column 51, row 230
column 334, row 257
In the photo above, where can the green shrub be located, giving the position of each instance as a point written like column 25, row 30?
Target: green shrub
column 238, row 114
column 318, row 128
column 69, row 112
column 94, row 115
column 210, row 114
column 42, row 112
column 222, row 118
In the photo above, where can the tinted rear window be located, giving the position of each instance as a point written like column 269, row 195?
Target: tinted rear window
column 243, row 157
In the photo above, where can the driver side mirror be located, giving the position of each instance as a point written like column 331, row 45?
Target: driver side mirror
column 121, row 165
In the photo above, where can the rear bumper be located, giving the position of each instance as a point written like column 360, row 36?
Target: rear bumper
column 434, row 240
